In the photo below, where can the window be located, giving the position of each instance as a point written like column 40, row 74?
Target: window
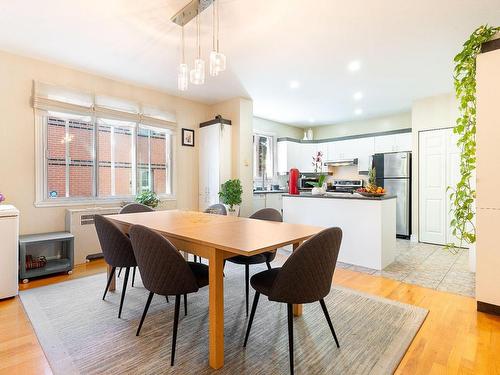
column 153, row 150
column 70, row 164
column 263, row 166
column 104, row 158
column 93, row 148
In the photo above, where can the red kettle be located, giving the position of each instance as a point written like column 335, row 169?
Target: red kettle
column 293, row 181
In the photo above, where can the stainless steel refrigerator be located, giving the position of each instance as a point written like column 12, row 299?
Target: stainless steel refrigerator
column 393, row 173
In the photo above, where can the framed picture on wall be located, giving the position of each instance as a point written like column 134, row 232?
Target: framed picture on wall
column 188, row 137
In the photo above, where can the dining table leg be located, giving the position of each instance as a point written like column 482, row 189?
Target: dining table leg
column 297, row 309
column 216, row 309
column 112, row 285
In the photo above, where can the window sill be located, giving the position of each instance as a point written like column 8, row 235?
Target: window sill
column 93, row 202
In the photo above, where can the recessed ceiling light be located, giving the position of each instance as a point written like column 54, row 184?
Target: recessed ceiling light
column 358, row 95
column 294, row 84
column 354, row 65
column 311, row 120
column 358, row 111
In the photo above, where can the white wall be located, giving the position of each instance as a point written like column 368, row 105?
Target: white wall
column 17, row 134
column 279, row 129
column 435, row 112
column 374, row 125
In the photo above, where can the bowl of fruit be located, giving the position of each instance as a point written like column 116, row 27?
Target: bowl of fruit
column 371, row 191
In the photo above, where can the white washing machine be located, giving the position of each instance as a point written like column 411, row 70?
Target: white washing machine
column 9, row 250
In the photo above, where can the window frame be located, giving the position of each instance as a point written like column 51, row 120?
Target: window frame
column 41, row 172
column 272, row 137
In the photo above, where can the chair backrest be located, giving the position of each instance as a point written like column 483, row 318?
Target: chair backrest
column 269, row 214
column 163, row 269
column 115, row 244
column 307, row 274
column 133, row 208
column 217, row 209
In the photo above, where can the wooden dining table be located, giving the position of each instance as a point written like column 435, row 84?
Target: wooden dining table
column 216, row 238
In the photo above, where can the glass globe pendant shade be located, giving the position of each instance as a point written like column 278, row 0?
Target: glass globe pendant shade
column 197, row 75
column 182, row 77
column 217, row 63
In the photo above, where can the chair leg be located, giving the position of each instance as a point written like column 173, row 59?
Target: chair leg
column 185, row 305
column 133, row 277
column 150, row 298
column 268, row 265
column 290, row 334
column 176, row 323
column 252, row 314
column 167, row 299
column 247, row 282
column 120, row 272
column 124, row 289
column 112, row 273
column 327, row 316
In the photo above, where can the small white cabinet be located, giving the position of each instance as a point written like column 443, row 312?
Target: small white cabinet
column 296, row 155
column 267, row 200
column 259, row 201
column 393, row 143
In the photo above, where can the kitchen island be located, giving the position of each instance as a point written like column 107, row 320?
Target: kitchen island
column 368, row 224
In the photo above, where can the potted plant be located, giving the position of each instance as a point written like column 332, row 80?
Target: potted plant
column 319, row 187
column 230, row 195
column 148, row 198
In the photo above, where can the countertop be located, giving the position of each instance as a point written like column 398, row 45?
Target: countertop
column 341, row 196
column 270, row 191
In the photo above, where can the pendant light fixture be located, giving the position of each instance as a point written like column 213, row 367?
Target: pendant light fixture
column 197, row 75
column 217, row 59
column 182, row 74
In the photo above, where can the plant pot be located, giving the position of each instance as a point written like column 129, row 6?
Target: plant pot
column 472, row 257
column 317, row 191
column 234, row 212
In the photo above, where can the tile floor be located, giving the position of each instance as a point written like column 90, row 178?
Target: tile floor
column 431, row 266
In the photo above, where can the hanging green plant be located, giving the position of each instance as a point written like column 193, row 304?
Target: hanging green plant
column 462, row 196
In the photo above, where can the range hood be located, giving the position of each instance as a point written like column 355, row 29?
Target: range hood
column 341, row 162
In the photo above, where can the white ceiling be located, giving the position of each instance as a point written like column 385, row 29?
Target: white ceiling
column 405, row 48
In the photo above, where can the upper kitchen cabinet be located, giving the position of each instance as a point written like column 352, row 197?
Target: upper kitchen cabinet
column 393, row 143
column 357, row 148
column 296, row 155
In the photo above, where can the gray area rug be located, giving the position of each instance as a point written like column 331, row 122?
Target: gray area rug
column 81, row 334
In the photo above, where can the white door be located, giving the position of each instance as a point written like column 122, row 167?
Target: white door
column 438, row 169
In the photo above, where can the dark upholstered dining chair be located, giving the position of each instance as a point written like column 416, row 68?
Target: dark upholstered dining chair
column 165, row 272
column 117, row 251
column 133, row 208
column 269, row 214
column 305, row 277
column 215, row 209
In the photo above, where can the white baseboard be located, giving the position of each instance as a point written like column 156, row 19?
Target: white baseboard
column 414, row 238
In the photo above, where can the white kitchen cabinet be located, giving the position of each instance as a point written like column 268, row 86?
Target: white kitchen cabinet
column 274, row 200
column 356, row 148
column 393, row 143
column 296, row 155
column 259, row 201
column 364, row 149
column 267, row 200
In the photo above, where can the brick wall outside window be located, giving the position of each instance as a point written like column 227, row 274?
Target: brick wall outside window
column 75, row 139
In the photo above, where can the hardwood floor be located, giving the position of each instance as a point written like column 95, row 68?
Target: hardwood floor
column 454, row 338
